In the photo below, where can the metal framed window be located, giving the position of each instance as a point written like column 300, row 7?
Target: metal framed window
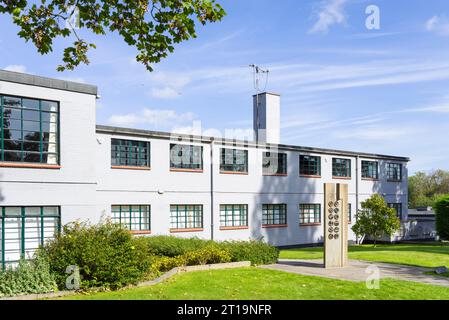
column 310, row 213
column 309, row 165
column 186, row 216
column 186, row 157
column 234, row 160
column 370, row 169
column 29, row 130
column 274, row 163
column 341, row 167
column 233, row 215
column 133, row 217
column 398, row 208
column 24, row 229
column 394, row 171
column 130, row 153
column 273, row 214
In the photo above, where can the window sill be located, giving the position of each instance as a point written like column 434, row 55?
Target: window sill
column 309, row 224
column 233, row 172
column 392, row 180
column 309, row 176
column 187, row 170
column 370, row 179
column 137, row 232
column 274, row 226
column 130, row 168
column 186, row 230
column 275, row 175
column 234, row 228
column 342, row 178
column 29, row 165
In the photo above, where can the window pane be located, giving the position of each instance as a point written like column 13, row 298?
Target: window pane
column 30, row 104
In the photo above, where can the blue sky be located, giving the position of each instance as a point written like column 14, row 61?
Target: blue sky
column 342, row 86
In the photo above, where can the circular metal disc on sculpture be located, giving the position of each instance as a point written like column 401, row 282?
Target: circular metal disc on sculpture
column 330, row 229
column 331, row 236
column 330, row 203
column 336, row 217
column 330, row 217
column 336, row 203
column 330, row 223
column 330, row 210
column 336, row 229
column 336, row 236
column 336, row 210
column 336, row 223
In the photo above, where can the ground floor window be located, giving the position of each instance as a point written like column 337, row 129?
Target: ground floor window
column 24, row 229
column 310, row 213
column 398, row 208
column 133, row 217
column 273, row 214
column 233, row 215
column 186, row 216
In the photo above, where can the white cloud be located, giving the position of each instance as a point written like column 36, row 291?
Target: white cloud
column 371, row 132
column 16, row 68
column 438, row 25
column 164, row 93
column 156, row 118
column 332, row 12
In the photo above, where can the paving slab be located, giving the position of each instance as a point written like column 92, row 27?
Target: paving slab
column 358, row 270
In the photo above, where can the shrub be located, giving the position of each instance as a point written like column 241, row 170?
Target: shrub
column 30, row 276
column 441, row 207
column 106, row 254
column 257, row 252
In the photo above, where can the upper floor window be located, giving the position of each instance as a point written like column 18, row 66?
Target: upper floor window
column 188, row 157
column 394, row 171
column 30, row 130
column 398, row 208
column 234, row 160
column 341, row 167
column 134, row 217
column 370, row 169
column 130, row 153
column 274, row 163
column 309, row 165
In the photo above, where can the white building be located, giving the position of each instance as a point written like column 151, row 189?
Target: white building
column 58, row 166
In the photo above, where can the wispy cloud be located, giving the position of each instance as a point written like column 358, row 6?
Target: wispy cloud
column 155, row 118
column 16, row 68
column 438, row 25
column 331, row 12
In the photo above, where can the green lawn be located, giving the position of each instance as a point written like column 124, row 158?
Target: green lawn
column 425, row 255
column 253, row 283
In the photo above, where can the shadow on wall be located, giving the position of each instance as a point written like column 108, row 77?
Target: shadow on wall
column 291, row 190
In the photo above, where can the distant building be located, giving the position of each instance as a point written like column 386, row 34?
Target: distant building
column 57, row 166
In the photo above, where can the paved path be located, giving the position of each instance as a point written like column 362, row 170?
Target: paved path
column 356, row 271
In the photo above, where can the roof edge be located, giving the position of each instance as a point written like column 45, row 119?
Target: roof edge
column 39, row 81
column 207, row 139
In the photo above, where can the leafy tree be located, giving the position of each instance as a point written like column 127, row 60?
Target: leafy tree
column 151, row 26
column 442, row 216
column 375, row 219
column 424, row 188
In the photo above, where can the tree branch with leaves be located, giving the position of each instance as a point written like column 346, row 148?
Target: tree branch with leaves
column 153, row 27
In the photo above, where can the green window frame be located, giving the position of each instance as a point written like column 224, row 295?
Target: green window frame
column 274, row 163
column 186, row 157
column 310, row 213
column 233, row 215
column 186, row 216
column 24, row 229
column 29, row 130
column 233, row 160
column 394, row 172
column 370, row 169
column 398, row 208
column 132, row 153
column 309, row 165
column 134, row 217
column 274, row 214
column 341, row 168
